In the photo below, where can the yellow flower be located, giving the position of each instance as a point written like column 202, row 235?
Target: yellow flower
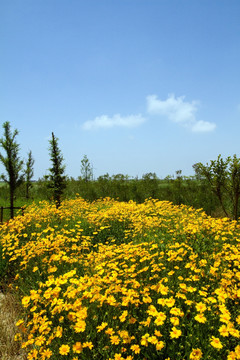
column 231, row 356
column 25, row 301
column 237, row 351
column 153, row 339
column 159, row 345
column 152, row 311
column 88, row 344
column 114, row 340
column 102, row 326
column 64, row 349
column 160, row 319
column 46, row 354
column 77, row 347
column 170, row 302
column 157, row 333
column 200, row 318
column 132, row 320
column 147, row 299
column 224, row 330
column 118, row 357
column 109, row 331
column 40, row 340
column 144, row 340
column 59, row 332
column 174, row 320
column 161, row 301
column 235, row 333
column 196, row 354
column 80, row 326
column 122, row 317
column 201, row 307
column 135, row 349
column 175, row 333
column 216, row 343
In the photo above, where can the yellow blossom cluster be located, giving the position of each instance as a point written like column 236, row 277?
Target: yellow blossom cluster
column 113, row 280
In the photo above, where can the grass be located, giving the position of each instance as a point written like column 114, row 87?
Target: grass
column 112, row 280
column 10, row 309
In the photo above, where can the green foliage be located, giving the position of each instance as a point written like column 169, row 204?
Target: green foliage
column 3, row 266
column 56, row 178
column 223, row 177
column 12, row 162
column 29, row 173
column 86, row 169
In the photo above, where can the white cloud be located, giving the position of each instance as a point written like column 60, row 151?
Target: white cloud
column 203, row 126
column 105, row 121
column 180, row 111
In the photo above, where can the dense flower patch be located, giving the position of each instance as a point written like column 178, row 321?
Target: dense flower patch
column 113, row 280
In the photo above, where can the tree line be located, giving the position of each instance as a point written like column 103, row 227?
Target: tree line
column 215, row 187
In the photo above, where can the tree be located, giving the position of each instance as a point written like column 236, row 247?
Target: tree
column 224, row 178
column 234, row 189
column 86, row 169
column 56, row 178
column 150, row 184
column 29, row 173
column 216, row 175
column 177, row 187
column 12, row 163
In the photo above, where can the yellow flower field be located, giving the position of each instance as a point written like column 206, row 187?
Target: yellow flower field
column 113, row 280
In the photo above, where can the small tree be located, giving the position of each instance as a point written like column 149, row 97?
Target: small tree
column 223, row 177
column 234, row 184
column 11, row 162
column 177, row 187
column 29, row 173
column 86, row 169
column 217, row 175
column 57, row 179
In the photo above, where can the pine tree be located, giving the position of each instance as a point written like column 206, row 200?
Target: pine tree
column 29, row 173
column 57, row 179
column 11, row 162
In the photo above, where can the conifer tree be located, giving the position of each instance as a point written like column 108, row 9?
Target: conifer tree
column 29, row 173
column 57, row 179
column 12, row 163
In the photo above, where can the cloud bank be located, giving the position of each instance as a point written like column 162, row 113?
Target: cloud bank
column 178, row 110
column 106, row 121
column 175, row 109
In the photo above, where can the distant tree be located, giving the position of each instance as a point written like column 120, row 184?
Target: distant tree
column 86, row 169
column 29, row 173
column 104, row 185
column 216, row 173
column 223, row 177
column 178, row 187
column 12, row 163
column 150, row 184
column 234, row 169
column 56, row 178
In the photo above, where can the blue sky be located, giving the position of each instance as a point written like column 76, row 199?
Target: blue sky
column 137, row 85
